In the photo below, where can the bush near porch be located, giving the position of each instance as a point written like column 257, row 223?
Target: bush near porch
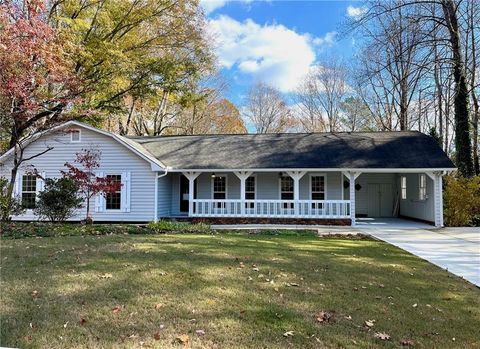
column 461, row 201
column 229, row 290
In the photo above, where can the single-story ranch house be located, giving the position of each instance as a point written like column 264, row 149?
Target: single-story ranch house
column 320, row 178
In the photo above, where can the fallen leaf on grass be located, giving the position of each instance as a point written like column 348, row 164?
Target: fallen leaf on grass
column 182, row 339
column 292, row 284
column 106, row 276
column 406, row 342
column 415, row 305
column 324, row 317
column 200, row 332
column 116, row 309
column 158, row 306
column 156, row 336
column 82, row 320
column 381, row 335
column 35, row 294
column 288, row 334
column 369, row 323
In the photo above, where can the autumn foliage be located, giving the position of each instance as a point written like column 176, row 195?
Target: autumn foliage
column 37, row 82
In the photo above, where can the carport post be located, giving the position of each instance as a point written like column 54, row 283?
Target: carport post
column 437, row 197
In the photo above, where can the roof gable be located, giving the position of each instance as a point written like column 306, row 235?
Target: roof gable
column 136, row 148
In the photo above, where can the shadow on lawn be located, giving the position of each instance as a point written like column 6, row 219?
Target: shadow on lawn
column 201, row 278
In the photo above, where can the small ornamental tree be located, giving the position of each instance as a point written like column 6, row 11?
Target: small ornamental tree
column 89, row 184
column 59, row 200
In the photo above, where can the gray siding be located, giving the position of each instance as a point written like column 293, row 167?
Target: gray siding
column 115, row 159
column 361, row 196
column 414, row 208
column 165, row 196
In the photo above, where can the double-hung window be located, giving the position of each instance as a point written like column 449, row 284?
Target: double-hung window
column 286, row 190
column 29, row 191
column 422, row 187
column 317, row 190
column 403, row 184
column 318, row 187
column 220, row 190
column 114, row 199
column 250, row 191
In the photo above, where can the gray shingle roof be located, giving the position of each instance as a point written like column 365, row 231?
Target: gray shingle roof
column 408, row 149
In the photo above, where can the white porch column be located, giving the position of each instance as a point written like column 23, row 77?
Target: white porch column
column 243, row 175
column 191, row 189
column 352, row 176
column 296, row 176
column 437, row 197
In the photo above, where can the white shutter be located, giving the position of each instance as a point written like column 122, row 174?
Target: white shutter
column 99, row 198
column 17, row 186
column 40, row 182
column 125, row 192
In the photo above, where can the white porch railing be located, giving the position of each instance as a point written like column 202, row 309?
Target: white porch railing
column 272, row 208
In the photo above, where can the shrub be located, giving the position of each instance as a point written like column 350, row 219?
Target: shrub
column 15, row 203
column 163, row 226
column 461, row 201
column 59, row 200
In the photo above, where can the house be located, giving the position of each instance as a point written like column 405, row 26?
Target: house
column 320, row 178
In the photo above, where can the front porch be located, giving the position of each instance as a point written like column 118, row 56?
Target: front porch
column 304, row 197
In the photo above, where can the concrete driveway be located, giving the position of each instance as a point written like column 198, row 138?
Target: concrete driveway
column 454, row 249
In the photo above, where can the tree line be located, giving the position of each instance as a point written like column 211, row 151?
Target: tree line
column 416, row 69
column 148, row 68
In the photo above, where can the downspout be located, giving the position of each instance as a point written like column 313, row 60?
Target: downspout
column 157, row 176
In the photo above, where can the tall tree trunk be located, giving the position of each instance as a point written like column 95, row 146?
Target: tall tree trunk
column 462, row 126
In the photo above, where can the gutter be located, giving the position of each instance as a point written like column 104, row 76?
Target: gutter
column 157, row 176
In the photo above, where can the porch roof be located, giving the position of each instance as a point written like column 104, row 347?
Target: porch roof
column 369, row 150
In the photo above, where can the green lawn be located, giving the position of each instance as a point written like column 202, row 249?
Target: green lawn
column 241, row 290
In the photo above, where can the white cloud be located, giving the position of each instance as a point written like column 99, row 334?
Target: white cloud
column 355, row 12
column 211, row 5
column 271, row 53
column 327, row 39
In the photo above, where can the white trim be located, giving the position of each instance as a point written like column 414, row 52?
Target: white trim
column 325, row 186
column 357, row 170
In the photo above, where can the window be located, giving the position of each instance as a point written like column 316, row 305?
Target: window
column 114, row 200
column 318, row 187
column 29, row 191
column 250, row 188
column 220, row 187
column 75, row 136
column 403, row 184
column 220, row 190
column 286, row 188
column 422, row 187
column 250, row 191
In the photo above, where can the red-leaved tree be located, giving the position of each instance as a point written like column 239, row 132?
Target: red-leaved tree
column 39, row 88
column 88, row 182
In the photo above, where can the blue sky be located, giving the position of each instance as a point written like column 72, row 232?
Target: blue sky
column 276, row 41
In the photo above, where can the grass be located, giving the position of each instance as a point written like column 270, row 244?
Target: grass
column 243, row 291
